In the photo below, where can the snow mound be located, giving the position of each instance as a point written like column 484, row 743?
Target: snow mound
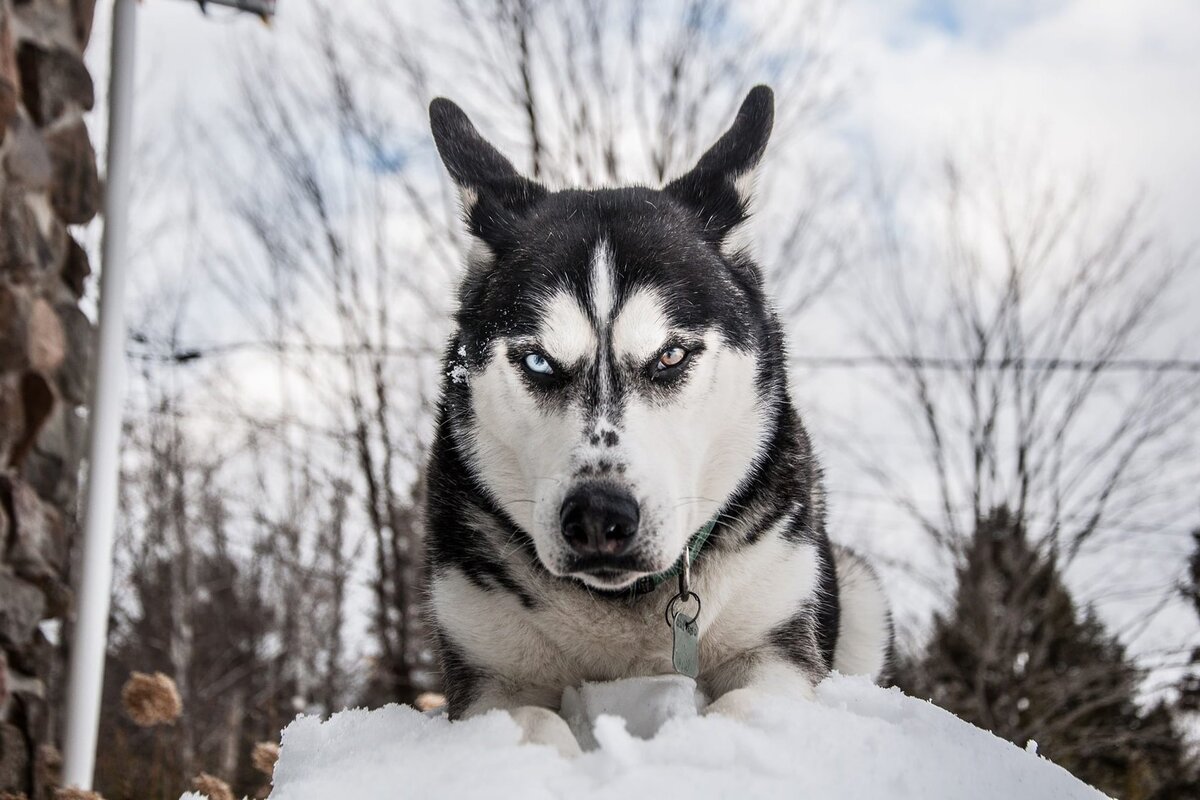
column 855, row 741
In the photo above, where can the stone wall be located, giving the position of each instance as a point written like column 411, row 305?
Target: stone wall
column 48, row 181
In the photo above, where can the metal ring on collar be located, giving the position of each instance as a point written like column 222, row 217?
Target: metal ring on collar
column 685, row 597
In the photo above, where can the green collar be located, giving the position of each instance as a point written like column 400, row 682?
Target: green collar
column 651, row 582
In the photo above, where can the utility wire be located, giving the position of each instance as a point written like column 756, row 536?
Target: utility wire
column 1036, row 364
column 185, row 355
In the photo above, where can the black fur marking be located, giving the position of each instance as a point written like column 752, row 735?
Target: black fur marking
column 460, row 680
column 827, row 603
column 816, row 623
column 501, row 194
column 710, row 187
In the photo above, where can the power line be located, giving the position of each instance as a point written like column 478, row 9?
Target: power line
column 185, row 355
column 1036, row 364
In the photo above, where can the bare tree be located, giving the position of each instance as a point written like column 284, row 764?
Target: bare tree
column 348, row 242
column 1016, row 320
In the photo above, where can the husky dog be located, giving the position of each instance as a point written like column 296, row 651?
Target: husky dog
column 615, row 405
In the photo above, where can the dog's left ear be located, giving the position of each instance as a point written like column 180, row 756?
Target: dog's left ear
column 719, row 187
column 494, row 195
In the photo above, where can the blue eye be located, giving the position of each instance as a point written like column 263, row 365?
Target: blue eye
column 536, row 362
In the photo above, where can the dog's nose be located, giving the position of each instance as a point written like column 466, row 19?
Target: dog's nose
column 598, row 519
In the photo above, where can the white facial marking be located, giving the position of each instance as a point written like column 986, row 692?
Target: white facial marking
column 567, row 334
column 603, row 283
column 641, row 328
column 682, row 480
column 522, row 452
column 681, row 450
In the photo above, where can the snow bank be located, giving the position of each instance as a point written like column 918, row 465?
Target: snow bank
column 855, row 741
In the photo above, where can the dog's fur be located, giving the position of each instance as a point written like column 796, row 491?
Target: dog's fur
column 599, row 283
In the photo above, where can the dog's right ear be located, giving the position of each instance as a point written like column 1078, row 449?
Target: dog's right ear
column 718, row 188
column 493, row 194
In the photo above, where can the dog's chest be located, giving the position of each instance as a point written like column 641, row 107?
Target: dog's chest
column 599, row 641
column 569, row 636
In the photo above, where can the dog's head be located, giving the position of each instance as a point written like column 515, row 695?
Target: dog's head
column 616, row 372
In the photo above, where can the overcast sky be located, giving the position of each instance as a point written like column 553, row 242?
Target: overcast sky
column 1112, row 83
column 1115, row 83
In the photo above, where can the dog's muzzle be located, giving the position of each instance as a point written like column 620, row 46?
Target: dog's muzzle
column 600, row 523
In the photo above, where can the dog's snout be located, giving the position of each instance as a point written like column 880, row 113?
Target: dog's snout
column 598, row 519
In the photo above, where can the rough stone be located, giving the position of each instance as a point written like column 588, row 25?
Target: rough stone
column 14, row 758
column 47, row 341
column 8, row 71
column 5, row 531
column 48, row 180
column 12, row 417
column 5, row 693
column 76, row 268
column 21, row 611
column 37, row 404
column 50, row 22
column 75, row 194
column 84, row 11
column 33, row 659
column 74, row 373
column 58, row 597
column 26, row 160
column 39, row 543
column 26, row 253
column 14, row 328
column 29, row 711
column 53, row 80
column 51, row 467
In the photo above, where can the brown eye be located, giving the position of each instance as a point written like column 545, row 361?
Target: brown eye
column 672, row 357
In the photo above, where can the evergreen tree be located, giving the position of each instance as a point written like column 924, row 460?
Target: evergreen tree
column 1017, row 656
column 1189, row 695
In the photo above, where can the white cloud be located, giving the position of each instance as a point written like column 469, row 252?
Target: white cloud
column 1113, row 83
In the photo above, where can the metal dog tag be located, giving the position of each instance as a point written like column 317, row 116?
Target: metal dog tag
column 685, row 645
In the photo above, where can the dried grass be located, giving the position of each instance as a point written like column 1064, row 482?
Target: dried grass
column 73, row 794
column 212, row 787
column 264, row 756
column 151, row 700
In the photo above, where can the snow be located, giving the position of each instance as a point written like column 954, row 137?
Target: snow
column 854, row 740
column 644, row 705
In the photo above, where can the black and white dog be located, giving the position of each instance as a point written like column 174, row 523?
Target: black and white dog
column 615, row 404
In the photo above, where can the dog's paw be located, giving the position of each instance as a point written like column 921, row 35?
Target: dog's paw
column 542, row 726
column 738, row 704
column 742, row 704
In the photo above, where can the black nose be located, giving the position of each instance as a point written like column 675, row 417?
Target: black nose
column 598, row 519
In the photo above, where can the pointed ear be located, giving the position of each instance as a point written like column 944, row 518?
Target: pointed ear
column 493, row 194
column 719, row 187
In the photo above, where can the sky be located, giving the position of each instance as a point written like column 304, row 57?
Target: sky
column 1110, row 85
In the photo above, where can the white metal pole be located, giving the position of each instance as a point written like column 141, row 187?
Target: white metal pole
column 104, row 417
